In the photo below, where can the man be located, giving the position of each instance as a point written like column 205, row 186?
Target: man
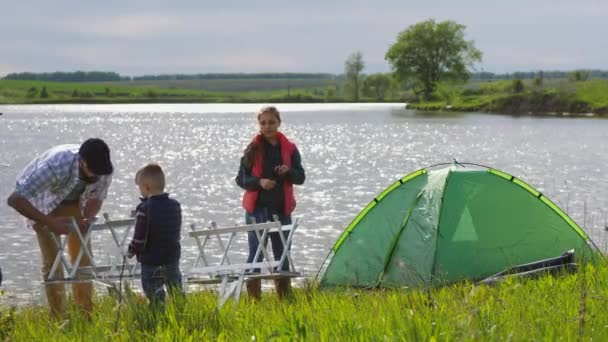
column 65, row 182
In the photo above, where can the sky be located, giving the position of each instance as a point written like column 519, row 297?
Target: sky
column 226, row 36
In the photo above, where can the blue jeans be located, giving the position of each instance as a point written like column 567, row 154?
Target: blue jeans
column 265, row 215
column 154, row 278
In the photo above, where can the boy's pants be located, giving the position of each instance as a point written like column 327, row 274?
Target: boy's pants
column 155, row 277
column 55, row 293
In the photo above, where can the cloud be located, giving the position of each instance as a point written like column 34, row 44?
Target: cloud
column 134, row 37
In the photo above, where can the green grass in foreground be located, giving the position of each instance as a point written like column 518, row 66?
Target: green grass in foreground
column 571, row 307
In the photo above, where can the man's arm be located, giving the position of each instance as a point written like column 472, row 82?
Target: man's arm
column 91, row 209
column 41, row 178
column 95, row 197
column 25, row 208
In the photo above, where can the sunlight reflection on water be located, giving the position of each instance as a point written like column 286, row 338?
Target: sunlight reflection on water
column 350, row 153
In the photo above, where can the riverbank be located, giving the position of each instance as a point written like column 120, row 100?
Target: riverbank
column 563, row 98
column 42, row 92
column 569, row 307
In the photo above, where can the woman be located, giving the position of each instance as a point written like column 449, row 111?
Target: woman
column 269, row 168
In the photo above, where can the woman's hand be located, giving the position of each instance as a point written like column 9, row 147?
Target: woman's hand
column 281, row 170
column 267, row 184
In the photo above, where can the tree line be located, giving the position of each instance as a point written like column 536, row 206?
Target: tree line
column 76, row 76
column 553, row 74
column 228, row 76
column 101, row 76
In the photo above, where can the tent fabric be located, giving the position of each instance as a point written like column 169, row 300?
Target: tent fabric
column 436, row 227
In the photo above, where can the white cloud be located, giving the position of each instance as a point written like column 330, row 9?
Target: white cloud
column 187, row 36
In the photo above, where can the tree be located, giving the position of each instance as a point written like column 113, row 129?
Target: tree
column 429, row 52
column 353, row 67
column 579, row 76
column 377, row 86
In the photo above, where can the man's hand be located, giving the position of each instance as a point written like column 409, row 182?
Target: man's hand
column 267, row 184
column 57, row 225
column 84, row 223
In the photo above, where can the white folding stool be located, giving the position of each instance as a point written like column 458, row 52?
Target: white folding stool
column 225, row 271
column 118, row 267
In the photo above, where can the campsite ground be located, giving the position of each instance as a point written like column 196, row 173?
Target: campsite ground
column 570, row 307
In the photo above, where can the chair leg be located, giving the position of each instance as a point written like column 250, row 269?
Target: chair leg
column 254, row 288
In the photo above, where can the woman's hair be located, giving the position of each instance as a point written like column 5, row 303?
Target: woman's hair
column 270, row 110
column 253, row 148
column 152, row 175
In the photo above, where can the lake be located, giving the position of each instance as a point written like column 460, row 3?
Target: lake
column 351, row 152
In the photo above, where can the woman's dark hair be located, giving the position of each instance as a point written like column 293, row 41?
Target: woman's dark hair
column 250, row 152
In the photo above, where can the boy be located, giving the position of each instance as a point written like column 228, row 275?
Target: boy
column 157, row 234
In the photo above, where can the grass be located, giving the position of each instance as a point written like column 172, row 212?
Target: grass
column 232, row 85
column 557, row 97
column 23, row 92
column 569, row 307
column 242, row 91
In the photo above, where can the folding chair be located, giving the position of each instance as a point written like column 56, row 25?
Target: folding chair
column 231, row 275
column 103, row 274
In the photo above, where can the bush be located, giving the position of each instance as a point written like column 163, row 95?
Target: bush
column 43, row 93
column 151, row 93
column 517, row 86
column 579, row 76
column 32, row 92
column 496, row 87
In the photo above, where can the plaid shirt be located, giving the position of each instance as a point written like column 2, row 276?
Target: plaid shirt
column 50, row 178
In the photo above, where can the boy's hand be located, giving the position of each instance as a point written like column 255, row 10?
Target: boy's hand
column 131, row 252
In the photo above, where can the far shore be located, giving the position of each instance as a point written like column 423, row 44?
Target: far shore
column 551, row 98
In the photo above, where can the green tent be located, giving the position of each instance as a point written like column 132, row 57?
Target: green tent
column 438, row 226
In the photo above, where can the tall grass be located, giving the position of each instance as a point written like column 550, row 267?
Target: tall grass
column 569, row 307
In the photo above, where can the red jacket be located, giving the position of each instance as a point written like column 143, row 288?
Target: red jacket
column 250, row 197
